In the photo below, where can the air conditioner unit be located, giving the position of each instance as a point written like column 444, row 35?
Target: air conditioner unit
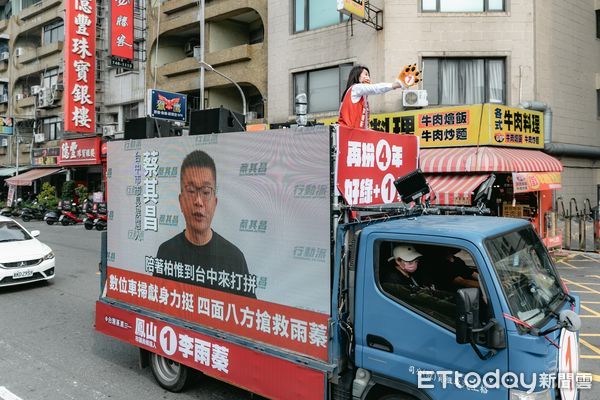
column 3, row 98
column 19, row 51
column 3, row 142
column 109, row 130
column 39, row 138
column 35, row 89
column 414, row 98
column 58, row 87
column 44, row 98
column 4, row 55
column 19, row 96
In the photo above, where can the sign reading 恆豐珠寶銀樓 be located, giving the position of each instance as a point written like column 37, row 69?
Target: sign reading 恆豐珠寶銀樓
column 80, row 67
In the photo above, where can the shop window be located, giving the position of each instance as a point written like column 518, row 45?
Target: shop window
column 431, row 289
column 50, row 77
column 54, row 32
column 462, row 5
column 323, row 87
column 51, row 128
column 314, row 14
column 455, row 81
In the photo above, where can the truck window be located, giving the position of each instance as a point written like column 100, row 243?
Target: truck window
column 425, row 277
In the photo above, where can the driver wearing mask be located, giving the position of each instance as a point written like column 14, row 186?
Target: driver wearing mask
column 406, row 263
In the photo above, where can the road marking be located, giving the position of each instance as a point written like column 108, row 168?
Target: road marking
column 590, row 302
column 589, row 346
column 590, row 334
column 591, row 357
column 594, row 312
column 581, row 286
column 6, row 394
column 581, row 291
column 589, row 316
column 589, row 258
column 568, row 264
column 596, row 378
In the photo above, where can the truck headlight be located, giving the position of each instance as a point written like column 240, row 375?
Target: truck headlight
column 520, row 395
column 48, row 256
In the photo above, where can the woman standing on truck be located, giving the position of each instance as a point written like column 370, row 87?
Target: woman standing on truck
column 354, row 110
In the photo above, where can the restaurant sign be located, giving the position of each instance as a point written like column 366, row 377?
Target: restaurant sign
column 468, row 125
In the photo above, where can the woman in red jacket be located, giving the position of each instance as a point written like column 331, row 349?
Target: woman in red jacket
column 354, row 110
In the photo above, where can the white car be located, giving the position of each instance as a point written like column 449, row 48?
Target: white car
column 23, row 258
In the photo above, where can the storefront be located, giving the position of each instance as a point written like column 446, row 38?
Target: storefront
column 466, row 149
column 83, row 158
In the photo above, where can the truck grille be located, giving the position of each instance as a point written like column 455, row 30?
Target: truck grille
column 22, row 264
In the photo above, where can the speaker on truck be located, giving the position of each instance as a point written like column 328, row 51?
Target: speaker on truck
column 216, row 120
column 147, row 127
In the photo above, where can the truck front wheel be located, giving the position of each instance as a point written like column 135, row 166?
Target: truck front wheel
column 168, row 373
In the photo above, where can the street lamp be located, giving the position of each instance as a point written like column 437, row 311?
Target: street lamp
column 210, row 68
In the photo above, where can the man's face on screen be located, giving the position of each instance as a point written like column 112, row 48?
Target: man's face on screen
column 198, row 199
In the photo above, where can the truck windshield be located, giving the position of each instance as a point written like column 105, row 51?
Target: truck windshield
column 526, row 273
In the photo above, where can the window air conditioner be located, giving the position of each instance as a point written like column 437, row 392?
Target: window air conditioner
column 18, row 51
column 4, row 55
column 19, row 96
column 3, row 142
column 35, row 89
column 414, row 98
column 39, row 138
column 44, row 98
column 189, row 48
column 3, row 98
column 108, row 130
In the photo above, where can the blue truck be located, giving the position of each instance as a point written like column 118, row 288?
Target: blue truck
column 510, row 334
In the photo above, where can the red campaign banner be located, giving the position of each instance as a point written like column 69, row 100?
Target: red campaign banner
column 80, row 151
column 80, row 66
column 287, row 327
column 121, row 29
column 369, row 162
column 260, row 373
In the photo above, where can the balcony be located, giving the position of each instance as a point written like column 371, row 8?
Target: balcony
column 218, row 58
column 38, row 8
column 26, row 102
column 235, row 62
column 173, row 6
column 41, row 52
column 47, row 62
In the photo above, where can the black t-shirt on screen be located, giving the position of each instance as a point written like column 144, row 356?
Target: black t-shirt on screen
column 217, row 255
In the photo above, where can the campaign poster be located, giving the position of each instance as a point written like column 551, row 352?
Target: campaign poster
column 246, row 251
column 369, row 162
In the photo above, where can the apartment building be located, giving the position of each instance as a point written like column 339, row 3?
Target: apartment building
column 33, row 94
column 471, row 51
column 235, row 45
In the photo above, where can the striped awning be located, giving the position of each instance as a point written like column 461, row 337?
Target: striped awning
column 454, row 190
column 25, row 179
column 486, row 159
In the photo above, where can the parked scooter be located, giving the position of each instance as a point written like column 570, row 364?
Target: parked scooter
column 14, row 210
column 90, row 215
column 102, row 220
column 36, row 211
column 70, row 214
column 52, row 216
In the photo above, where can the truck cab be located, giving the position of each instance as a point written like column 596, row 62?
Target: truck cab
column 410, row 342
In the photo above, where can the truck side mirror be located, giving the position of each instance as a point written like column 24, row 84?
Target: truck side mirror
column 467, row 310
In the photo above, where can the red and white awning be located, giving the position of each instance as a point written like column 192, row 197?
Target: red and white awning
column 26, row 178
column 451, row 190
column 486, row 159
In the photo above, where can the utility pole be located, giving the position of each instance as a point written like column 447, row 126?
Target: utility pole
column 201, row 18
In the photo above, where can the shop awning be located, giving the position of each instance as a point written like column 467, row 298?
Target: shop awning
column 487, row 159
column 25, row 179
column 10, row 171
column 451, row 190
